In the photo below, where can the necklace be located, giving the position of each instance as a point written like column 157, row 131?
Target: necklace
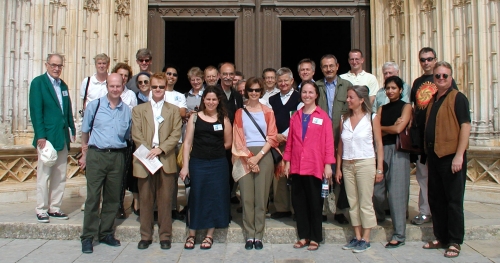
column 306, row 117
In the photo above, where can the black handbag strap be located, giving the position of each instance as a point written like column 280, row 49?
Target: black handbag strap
column 86, row 93
column 95, row 113
column 255, row 123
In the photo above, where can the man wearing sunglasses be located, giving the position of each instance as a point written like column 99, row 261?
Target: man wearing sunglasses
column 144, row 58
column 447, row 132
column 422, row 91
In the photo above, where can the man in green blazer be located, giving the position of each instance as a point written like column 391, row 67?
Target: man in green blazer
column 333, row 100
column 52, row 119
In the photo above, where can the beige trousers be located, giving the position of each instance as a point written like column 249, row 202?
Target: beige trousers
column 50, row 183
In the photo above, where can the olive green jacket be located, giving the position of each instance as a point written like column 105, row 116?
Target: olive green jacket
column 339, row 105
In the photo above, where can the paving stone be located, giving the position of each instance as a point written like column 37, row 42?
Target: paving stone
column 485, row 247
column 54, row 251
column 18, row 249
column 102, row 253
column 4, row 241
column 152, row 254
column 238, row 253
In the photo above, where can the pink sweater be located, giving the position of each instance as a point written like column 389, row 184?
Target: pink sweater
column 309, row 157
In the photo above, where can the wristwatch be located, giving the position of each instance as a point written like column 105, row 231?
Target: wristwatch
column 380, row 172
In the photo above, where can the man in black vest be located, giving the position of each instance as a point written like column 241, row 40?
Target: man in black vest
column 284, row 104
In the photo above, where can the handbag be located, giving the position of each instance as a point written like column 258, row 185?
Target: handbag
column 404, row 142
column 180, row 156
column 277, row 157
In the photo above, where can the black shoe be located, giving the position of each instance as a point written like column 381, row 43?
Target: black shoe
column 258, row 245
column 87, row 246
column 398, row 244
column 239, row 210
column 110, row 240
column 121, row 213
column 184, row 211
column 235, row 200
column 341, row 219
column 294, row 218
column 165, row 244
column 136, row 212
column 177, row 216
column 143, row 244
column 324, row 218
column 42, row 218
column 277, row 215
column 387, row 212
column 249, row 244
column 59, row 215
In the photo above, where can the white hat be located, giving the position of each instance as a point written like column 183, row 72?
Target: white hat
column 48, row 155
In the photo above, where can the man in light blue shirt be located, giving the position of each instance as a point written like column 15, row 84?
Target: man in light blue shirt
column 390, row 69
column 107, row 122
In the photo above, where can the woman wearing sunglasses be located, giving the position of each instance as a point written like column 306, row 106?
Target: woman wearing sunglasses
column 254, row 133
column 142, row 81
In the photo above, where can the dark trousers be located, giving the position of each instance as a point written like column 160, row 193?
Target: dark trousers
column 104, row 171
column 159, row 188
column 308, row 206
column 446, row 198
column 127, row 173
column 229, row 157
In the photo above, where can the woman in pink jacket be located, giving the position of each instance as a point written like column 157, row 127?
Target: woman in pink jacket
column 308, row 158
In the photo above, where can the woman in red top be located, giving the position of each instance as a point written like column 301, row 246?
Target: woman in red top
column 308, row 158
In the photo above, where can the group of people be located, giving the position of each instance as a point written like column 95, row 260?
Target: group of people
column 258, row 132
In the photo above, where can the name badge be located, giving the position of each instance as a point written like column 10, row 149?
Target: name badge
column 317, row 121
column 217, row 127
column 159, row 119
column 65, row 93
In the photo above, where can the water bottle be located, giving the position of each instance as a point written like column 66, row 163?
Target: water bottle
column 324, row 188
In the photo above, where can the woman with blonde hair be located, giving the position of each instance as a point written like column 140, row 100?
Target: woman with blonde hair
column 360, row 159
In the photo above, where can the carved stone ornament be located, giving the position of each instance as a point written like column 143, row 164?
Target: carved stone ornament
column 91, row 5
column 315, row 11
column 122, row 7
column 198, row 11
column 427, row 5
column 458, row 3
column 396, row 7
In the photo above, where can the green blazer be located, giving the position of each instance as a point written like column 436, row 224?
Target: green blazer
column 48, row 120
column 339, row 105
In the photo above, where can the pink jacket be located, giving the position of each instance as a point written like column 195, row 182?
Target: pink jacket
column 309, row 157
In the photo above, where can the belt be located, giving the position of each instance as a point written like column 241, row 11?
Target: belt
column 107, row 149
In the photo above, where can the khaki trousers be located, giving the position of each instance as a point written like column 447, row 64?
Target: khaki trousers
column 254, row 189
column 359, row 179
column 50, row 183
column 157, row 187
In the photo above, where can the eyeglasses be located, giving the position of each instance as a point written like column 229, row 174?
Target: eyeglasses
column 145, row 82
column 438, row 76
column 55, row 66
column 426, row 59
column 156, row 87
column 171, row 74
column 144, row 60
column 254, row 90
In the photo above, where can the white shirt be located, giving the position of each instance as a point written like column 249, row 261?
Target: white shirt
column 173, row 97
column 156, row 113
column 363, row 78
column 129, row 98
column 358, row 143
column 286, row 97
column 265, row 99
column 56, row 84
column 96, row 89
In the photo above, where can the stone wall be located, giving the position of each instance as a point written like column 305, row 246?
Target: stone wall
column 463, row 32
column 78, row 29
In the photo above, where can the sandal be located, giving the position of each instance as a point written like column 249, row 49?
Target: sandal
column 313, row 246
column 190, row 242
column 207, row 243
column 433, row 245
column 452, row 248
column 301, row 243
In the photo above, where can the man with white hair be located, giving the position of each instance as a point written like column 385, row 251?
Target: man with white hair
column 390, row 69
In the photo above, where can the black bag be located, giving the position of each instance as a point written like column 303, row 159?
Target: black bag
column 277, row 157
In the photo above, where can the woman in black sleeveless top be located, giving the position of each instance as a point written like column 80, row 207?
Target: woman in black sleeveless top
column 394, row 118
column 209, row 133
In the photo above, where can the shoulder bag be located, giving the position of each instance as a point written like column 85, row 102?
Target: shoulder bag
column 277, row 157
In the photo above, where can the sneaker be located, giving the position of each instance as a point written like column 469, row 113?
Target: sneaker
column 420, row 219
column 59, row 215
column 352, row 244
column 43, row 217
column 362, row 246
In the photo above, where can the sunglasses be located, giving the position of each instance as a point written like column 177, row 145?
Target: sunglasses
column 254, row 90
column 171, row 74
column 145, row 82
column 426, row 59
column 144, row 60
column 156, row 87
column 438, row 76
